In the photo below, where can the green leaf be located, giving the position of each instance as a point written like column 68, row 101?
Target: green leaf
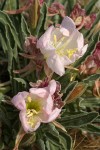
column 42, row 19
column 91, row 78
column 78, row 120
column 70, row 6
column 90, row 6
column 90, row 102
column 66, row 141
column 41, row 144
column 10, row 41
column 64, row 81
column 50, row 145
column 24, row 28
column 3, row 116
column 91, row 128
column 20, row 80
column 62, row 141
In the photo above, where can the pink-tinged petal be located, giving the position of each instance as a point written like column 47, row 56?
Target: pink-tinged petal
column 56, row 65
column 45, row 38
column 67, row 61
column 44, row 98
column 72, row 43
column 55, row 113
column 19, row 100
column 40, row 92
column 80, row 40
column 84, row 49
column 47, row 106
column 67, row 24
column 27, row 128
column 22, row 116
column 52, row 87
column 64, row 32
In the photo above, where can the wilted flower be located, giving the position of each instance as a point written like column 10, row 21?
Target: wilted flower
column 79, row 16
column 41, row 1
column 37, row 105
column 96, row 54
column 88, row 67
column 92, row 63
column 89, row 20
column 56, row 8
column 62, row 46
column 31, row 52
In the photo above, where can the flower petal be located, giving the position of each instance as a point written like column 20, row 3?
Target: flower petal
column 44, row 98
column 27, row 128
column 55, row 113
column 83, row 50
column 19, row 100
column 40, row 92
column 45, row 38
column 80, row 40
column 56, row 64
column 69, row 25
column 51, row 87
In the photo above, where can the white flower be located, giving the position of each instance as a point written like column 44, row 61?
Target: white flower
column 62, row 46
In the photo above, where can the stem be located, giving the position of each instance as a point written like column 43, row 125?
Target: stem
column 5, row 83
column 19, row 137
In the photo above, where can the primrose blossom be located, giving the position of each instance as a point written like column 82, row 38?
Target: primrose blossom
column 61, row 46
column 38, row 105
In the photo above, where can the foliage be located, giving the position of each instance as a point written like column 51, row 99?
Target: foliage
column 81, row 107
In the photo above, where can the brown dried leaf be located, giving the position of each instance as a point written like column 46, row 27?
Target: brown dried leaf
column 77, row 92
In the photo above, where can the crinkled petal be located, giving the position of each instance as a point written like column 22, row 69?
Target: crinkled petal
column 56, row 64
column 19, row 100
column 51, row 88
column 67, row 24
column 40, row 92
column 27, row 128
column 44, row 40
column 55, row 113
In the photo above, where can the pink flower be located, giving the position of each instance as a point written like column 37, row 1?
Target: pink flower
column 37, row 106
column 62, row 46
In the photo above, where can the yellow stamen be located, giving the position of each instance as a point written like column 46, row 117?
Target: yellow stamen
column 71, row 52
column 68, row 52
column 55, row 39
column 29, row 99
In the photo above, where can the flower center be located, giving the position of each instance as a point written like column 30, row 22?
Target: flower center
column 32, row 110
column 61, row 45
column 78, row 20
